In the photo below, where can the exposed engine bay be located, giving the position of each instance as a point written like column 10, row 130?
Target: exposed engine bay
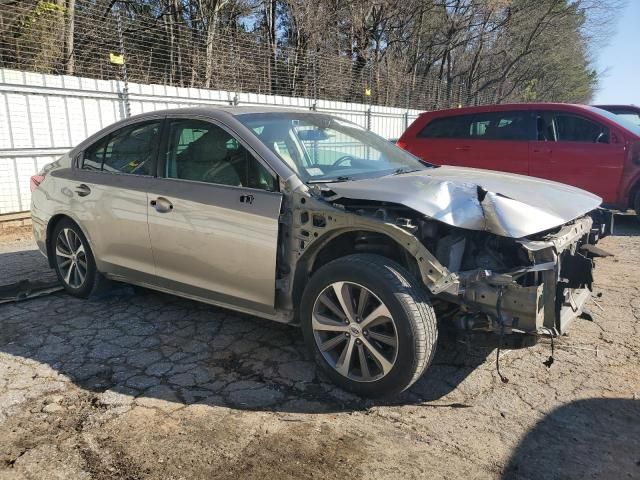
column 489, row 283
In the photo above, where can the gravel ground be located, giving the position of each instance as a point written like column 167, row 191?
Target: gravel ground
column 138, row 384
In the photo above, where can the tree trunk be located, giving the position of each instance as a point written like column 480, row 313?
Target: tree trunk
column 270, row 17
column 69, row 54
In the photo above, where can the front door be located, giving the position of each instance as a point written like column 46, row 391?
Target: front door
column 213, row 217
column 578, row 151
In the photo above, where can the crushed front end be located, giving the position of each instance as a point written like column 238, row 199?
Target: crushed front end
column 534, row 285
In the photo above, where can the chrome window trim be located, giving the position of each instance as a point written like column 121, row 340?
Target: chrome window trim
column 211, row 184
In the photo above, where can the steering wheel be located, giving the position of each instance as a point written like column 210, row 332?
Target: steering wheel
column 343, row 159
column 600, row 136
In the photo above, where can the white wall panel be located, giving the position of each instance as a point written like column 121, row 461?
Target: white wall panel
column 58, row 112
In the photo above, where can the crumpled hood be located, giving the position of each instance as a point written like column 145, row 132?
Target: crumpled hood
column 501, row 203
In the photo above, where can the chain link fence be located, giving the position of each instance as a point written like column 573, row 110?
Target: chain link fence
column 115, row 40
column 71, row 67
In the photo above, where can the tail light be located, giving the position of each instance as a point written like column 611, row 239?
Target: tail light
column 401, row 144
column 36, row 180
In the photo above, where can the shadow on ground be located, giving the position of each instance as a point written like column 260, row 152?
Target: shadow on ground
column 626, row 225
column 148, row 345
column 594, row 438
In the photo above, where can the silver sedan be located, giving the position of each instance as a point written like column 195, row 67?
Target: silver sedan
column 305, row 218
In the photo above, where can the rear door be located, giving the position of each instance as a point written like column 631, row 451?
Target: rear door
column 109, row 198
column 500, row 141
column 579, row 151
column 489, row 140
column 213, row 217
column 442, row 140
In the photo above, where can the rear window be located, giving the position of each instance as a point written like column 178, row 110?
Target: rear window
column 503, row 126
column 130, row 149
column 448, row 127
column 510, row 125
column 573, row 128
column 623, row 122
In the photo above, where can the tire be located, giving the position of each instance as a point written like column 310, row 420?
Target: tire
column 636, row 205
column 70, row 245
column 395, row 306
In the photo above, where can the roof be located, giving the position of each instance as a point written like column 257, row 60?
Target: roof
column 629, row 107
column 508, row 106
column 229, row 109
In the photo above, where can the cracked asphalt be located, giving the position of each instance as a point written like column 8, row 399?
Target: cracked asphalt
column 137, row 384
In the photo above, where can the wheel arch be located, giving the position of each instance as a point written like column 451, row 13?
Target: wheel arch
column 347, row 241
column 51, row 225
column 633, row 193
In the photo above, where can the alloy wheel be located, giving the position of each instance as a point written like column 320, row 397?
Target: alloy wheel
column 355, row 332
column 71, row 258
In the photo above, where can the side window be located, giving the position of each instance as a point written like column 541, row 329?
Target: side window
column 573, row 128
column 129, row 150
column 545, row 127
column 448, row 127
column 132, row 149
column 203, row 152
column 94, row 155
column 516, row 125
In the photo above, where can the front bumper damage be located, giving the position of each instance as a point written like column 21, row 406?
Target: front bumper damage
column 544, row 297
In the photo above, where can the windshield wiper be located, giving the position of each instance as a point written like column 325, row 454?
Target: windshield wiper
column 400, row 171
column 332, row 180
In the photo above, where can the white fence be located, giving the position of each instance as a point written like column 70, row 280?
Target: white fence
column 42, row 116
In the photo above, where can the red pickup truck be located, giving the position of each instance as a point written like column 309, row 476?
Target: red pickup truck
column 578, row 145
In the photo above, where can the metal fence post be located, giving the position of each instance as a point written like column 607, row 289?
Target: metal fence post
column 125, row 75
column 370, row 97
column 314, row 103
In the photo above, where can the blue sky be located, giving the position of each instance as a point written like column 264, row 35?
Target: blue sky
column 619, row 62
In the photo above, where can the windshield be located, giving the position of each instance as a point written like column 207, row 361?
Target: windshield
column 321, row 148
column 623, row 122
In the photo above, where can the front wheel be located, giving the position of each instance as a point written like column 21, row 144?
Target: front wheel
column 369, row 324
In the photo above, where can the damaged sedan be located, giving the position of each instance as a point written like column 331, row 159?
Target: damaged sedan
column 307, row 219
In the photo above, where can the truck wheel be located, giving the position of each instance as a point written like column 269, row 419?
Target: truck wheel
column 369, row 324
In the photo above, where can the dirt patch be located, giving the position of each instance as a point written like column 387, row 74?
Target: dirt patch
column 16, row 238
column 138, row 384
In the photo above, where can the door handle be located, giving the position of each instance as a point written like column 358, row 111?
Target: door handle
column 464, row 148
column 161, row 205
column 247, row 199
column 83, row 190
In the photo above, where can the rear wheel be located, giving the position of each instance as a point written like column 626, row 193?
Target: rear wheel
column 369, row 324
column 73, row 260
